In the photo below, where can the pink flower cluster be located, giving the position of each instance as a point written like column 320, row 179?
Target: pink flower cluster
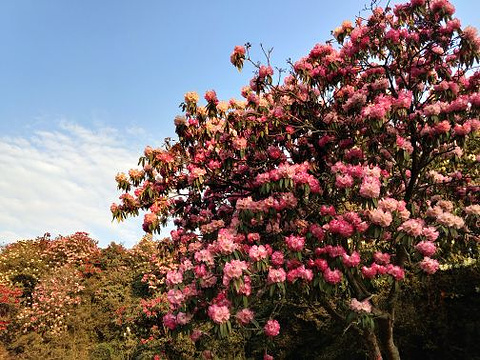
column 297, row 172
column 219, row 313
column 442, row 213
column 361, row 306
column 257, row 253
column 281, row 202
column 276, row 275
column 174, row 277
column 300, row 272
column 233, row 270
column 430, row 266
column 272, row 328
column 413, row 227
column 244, row 316
column 426, row 248
column 375, row 269
column 295, row 243
column 346, row 225
column 226, row 241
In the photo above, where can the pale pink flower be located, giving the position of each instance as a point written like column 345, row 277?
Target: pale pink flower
column 370, row 187
column 276, row 275
column 183, row 318
column 361, row 306
column 295, row 243
column 430, row 233
column 380, row 217
column 473, row 209
column 175, row 297
column 225, row 242
column 412, row 227
column 388, row 204
column 219, row 313
column 244, row 316
column 343, row 181
column 450, row 220
column 233, row 270
column 430, row 266
column 258, row 253
column 174, row 277
column 426, row 248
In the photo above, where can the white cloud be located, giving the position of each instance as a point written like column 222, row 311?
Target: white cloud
column 62, row 181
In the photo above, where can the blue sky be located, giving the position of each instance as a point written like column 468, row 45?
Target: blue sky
column 86, row 84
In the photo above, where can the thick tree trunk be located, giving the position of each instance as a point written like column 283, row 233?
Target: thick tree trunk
column 386, row 339
column 374, row 352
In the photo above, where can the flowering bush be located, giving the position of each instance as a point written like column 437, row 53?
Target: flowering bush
column 332, row 183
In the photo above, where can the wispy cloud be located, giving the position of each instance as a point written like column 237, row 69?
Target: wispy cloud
column 62, row 181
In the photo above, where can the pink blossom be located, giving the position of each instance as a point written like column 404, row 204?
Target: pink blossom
column 295, row 243
column 361, row 306
column 204, row 256
column 473, row 209
column 380, row 269
column 277, row 258
column 196, row 335
column 450, row 220
column 369, row 272
column 341, row 227
column 246, row 288
column 351, row 260
column 175, row 297
column 211, row 96
column 442, row 127
column 219, row 313
column 253, row 237
column 388, row 204
column 381, row 258
column 170, row 321
column 300, row 272
column 443, row 6
column 396, row 271
column 380, row 217
column 430, row 266
column 335, row 251
column 412, row 227
column 233, row 270
column 426, row 248
column 225, row 242
column 430, row 233
column 183, row 318
column 332, row 276
column 244, row 316
column 317, row 231
column 272, row 328
column 321, row 264
column 174, row 277
column 276, row 275
column 370, row 187
column 258, row 253
column 343, row 181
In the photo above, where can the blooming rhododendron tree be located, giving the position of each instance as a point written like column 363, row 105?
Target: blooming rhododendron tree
column 353, row 173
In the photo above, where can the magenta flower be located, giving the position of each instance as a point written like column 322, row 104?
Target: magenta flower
column 272, row 328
